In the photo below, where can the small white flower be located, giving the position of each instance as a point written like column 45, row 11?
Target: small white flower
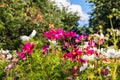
column 102, row 35
column 53, row 43
column 88, row 57
column 32, row 34
column 85, row 44
column 4, row 51
column 27, row 38
column 9, row 56
column 118, row 33
column 117, row 54
column 111, row 53
column 82, row 68
column 24, row 38
column 96, row 35
column 85, row 57
column 91, row 57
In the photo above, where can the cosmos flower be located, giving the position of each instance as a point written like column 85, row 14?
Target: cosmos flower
column 80, row 37
column 21, row 54
column 88, row 57
column 27, row 38
column 4, row 51
column 44, row 49
column 28, row 48
column 32, row 34
column 73, row 54
column 71, row 34
column 91, row 43
column 8, row 56
column 111, row 53
column 54, row 34
column 8, row 67
column 100, row 42
column 53, row 43
column 89, row 51
column 83, row 67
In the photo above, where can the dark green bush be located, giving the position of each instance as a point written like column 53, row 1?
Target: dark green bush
column 20, row 17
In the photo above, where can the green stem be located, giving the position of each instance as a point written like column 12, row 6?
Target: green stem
column 114, row 35
column 114, row 72
column 100, row 76
column 111, row 23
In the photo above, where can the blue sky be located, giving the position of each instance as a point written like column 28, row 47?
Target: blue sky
column 85, row 5
column 85, row 8
column 73, row 6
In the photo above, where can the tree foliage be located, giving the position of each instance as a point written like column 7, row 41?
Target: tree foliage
column 101, row 11
column 20, row 17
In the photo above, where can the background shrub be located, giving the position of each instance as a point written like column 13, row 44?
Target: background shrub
column 19, row 17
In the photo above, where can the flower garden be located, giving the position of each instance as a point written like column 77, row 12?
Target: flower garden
column 65, row 55
column 61, row 54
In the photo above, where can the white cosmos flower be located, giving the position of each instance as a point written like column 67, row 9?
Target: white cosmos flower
column 32, row 34
column 88, row 57
column 53, row 43
column 82, row 68
column 85, row 44
column 102, row 35
column 111, row 53
column 117, row 54
column 118, row 33
column 24, row 38
column 4, row 51
column 27, row 38
column 9, row 56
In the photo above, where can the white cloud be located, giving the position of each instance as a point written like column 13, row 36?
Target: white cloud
column 73, row 8
column 61, row 3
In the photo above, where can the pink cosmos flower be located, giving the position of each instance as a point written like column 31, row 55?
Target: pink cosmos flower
column 100, row 42
column 54, row 34
column 74, row 70
column 67, row 55
column 44, row 49
column 21, row 54
column 81, row 60
column 28, row 48
column 91, row 43
column 80, row 37
column 89, row 51
column 71, row 34
column 73, row 55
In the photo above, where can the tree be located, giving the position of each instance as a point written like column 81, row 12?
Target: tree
column 20, row 17
column 101, row 11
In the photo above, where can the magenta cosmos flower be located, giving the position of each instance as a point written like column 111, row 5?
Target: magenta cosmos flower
column 69, row 35
column 27, row 49
column 54, row 34
column 80, row 37
column 21, row 54
column 44, row 49
column 73, row 54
